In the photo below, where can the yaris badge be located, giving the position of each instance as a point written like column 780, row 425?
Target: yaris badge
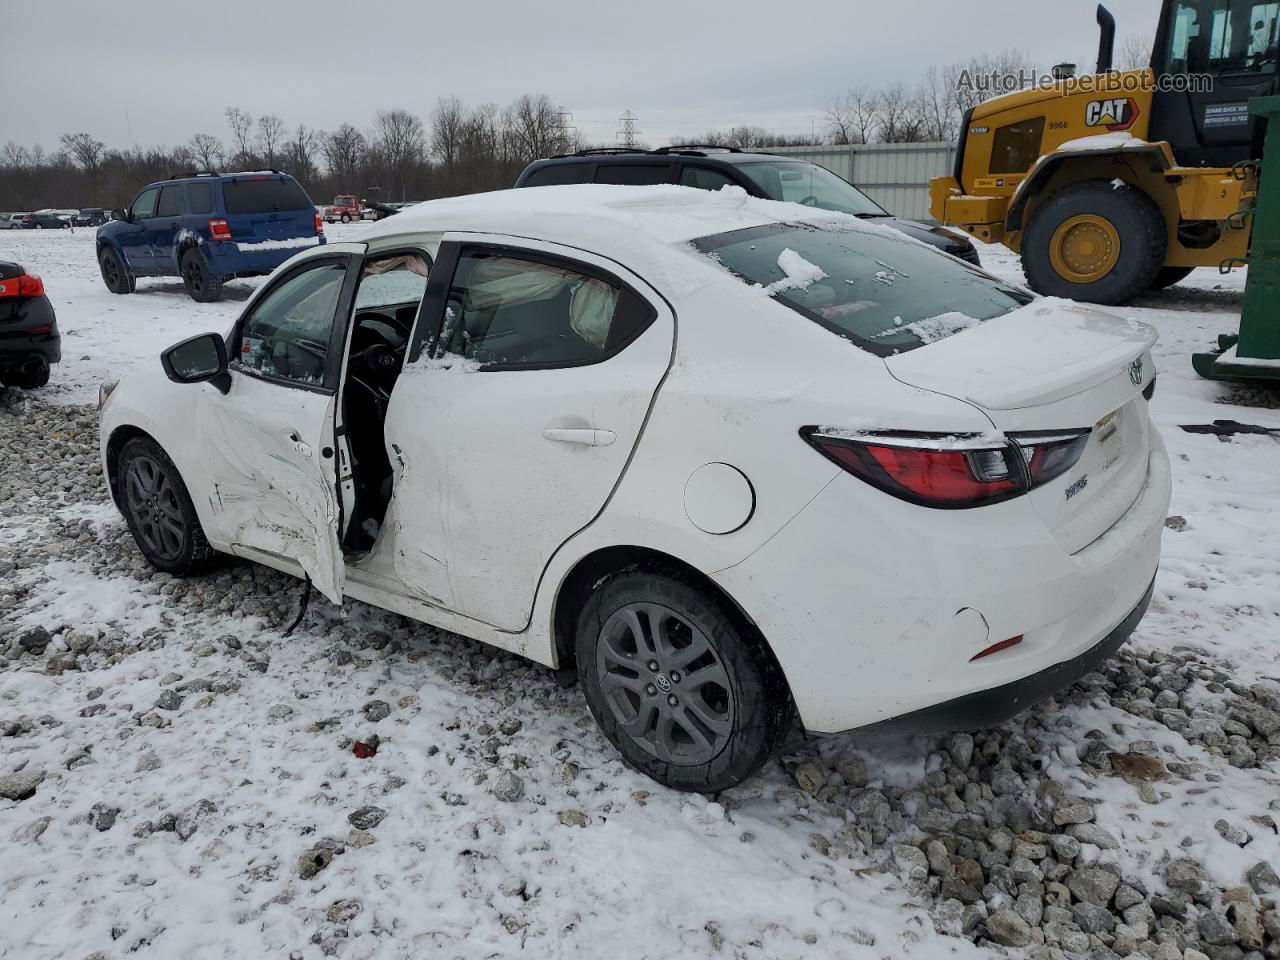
column 1135, row 372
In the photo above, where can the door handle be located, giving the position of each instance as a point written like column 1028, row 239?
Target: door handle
column 587, row 436
column 299, row 444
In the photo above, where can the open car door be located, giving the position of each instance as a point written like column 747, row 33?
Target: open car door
column 269, row 440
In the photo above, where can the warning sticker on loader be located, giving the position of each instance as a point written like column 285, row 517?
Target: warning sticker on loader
column 1226, row 114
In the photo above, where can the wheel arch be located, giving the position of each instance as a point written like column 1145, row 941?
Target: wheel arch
column 1056, row 170
column 115, row 443
column 590, row 569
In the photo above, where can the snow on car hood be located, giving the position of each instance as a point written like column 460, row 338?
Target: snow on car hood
column 1046, row 351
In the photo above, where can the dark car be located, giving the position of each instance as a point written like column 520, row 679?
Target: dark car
column 91, row 217
column 45, row 221
column 207, row 228
column 764, row 175
column 29, row 341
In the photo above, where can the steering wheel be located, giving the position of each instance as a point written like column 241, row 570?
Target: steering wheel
column 809, row 201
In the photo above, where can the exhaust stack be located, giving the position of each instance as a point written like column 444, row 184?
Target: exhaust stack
column 1106, row 38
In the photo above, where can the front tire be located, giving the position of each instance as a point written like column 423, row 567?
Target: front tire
column 202, row 285
column 158, row 510
column 346, row 218
column 114, row 273
column 685, row 690
column 1094, row 241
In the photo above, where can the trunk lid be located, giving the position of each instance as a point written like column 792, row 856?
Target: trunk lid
column 1056, row 365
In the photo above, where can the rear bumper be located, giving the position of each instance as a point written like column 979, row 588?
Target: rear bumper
column 875, row 608
column 19, row 343
column 990, row 708
column 228, row 258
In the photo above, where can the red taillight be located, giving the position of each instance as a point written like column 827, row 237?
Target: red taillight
column 219, row 229
column 948, row 470
column 319, row 225
column 26, row 285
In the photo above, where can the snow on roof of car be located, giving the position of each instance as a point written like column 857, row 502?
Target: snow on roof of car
column 641, row 227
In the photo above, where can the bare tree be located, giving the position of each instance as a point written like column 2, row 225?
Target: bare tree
column 14, row 156
column 1135, row 52
column 241, row 124
column 300, row 151
column 207, row 150
column 534, row 126
column 84, row 149
column 937, row 115
column 270, row 136
column 899, row 114
column 344, row 151
column 400, row 141
column 447, row 122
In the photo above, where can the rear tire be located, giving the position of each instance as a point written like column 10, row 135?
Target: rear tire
column 1094, row 241
column 202, row 286
column 158, row 510
column 1168, row 276
column 346, row 218
column 29, row 378
column 716, row 707
column 114, row 273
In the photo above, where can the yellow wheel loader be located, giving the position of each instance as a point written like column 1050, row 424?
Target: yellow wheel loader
column 1112, row 183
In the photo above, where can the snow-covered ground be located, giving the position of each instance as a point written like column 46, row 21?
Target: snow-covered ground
column 185, row 754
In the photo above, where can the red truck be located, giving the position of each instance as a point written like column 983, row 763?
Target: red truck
column 345, row 207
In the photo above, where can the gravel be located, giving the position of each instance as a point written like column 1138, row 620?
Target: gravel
column 1020, row 837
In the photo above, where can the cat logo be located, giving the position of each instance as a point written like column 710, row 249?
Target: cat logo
column 1117, row 114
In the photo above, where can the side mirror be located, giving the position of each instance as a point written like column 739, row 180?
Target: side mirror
column 200, row 358
column 119, row 214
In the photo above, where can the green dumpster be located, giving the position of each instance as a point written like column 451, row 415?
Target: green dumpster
column 1254, row 353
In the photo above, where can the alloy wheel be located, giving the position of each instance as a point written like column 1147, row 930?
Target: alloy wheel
column 665, row 684
column 193, row 275
column 112, row 270
column 153, row 504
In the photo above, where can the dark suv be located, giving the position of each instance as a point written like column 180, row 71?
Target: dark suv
column 764, row 175
column 207, row 228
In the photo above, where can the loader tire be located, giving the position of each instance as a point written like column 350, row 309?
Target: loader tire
column 1097, row 240
column 1168, row 276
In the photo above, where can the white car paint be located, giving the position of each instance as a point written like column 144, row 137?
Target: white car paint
column 506, row 481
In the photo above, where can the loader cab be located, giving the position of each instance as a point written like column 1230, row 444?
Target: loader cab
column 1235, row 45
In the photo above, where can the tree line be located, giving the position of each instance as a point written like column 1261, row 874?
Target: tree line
column 459, row 148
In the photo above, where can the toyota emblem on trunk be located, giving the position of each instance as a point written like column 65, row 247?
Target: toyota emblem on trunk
column 1135, row 371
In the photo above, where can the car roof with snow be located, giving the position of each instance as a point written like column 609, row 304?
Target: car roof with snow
column 638, row 226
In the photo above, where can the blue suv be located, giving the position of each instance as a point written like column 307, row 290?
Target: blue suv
column 207, row 228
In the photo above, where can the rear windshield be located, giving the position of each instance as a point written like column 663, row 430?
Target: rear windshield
column 264, row 196
column 887, row 295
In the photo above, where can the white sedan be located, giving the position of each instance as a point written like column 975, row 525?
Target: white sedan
column 729, row 460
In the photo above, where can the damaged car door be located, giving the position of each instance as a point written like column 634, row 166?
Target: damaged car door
column 269, row 439
column 512, row 427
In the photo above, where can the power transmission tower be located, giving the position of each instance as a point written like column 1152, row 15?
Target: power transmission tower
column 565, row 129
column 627, row 130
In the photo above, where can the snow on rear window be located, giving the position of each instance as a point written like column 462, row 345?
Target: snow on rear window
column 932, row 329
column 799, row 273
column 888, row 294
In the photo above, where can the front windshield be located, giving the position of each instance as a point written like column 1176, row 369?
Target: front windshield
column 885, row 292
column 1223, row 36
column 798, row 181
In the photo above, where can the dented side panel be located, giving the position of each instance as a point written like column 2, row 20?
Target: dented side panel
column 275, row 490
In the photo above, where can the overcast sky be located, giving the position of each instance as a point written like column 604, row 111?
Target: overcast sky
column 144, row 72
